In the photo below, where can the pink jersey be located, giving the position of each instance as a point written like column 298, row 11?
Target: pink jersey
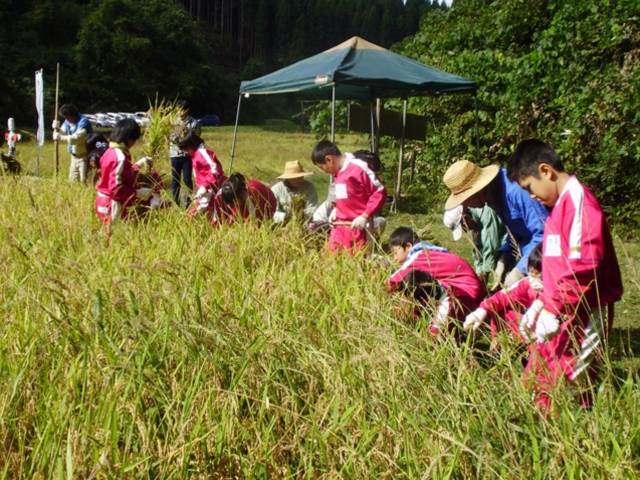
column 579, row 264
column 357, row 190
column 117, row 176
column 453, row 273
column 207, row 169
column 518, row 297
column 261, row 204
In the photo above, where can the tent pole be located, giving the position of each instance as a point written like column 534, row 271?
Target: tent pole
column 475, row 127
column 333, row 113
column 235, row 131
column 378, row 114
column 396, row 195
column 373, row 128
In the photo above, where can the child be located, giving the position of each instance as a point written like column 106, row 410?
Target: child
column 238, row 197
column 507, row 306
column 97, row 144
column 358, row 195
column 462, row 287
column 206, row 170
column 116, row 188
column 580, row 271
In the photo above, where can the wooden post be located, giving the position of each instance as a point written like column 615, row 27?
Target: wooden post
column 57, row 158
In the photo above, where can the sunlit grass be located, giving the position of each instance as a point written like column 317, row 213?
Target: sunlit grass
column 186, row 351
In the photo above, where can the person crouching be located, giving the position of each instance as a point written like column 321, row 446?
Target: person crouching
column 462, row 288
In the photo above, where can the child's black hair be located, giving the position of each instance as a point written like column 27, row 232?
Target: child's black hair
column 535, row 258
column 372, row 159
column 231, row 189
column 191, row 140
column 322, row 149
column 528, row 155
column 125, row 131
column 422, row 286
column 402, row 236
column 69, row 110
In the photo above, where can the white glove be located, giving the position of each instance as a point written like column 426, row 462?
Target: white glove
column 56, row 136
column 535, row 283
column 116, row 208
column 512, row 277
column 144, row 162
column 475, row 319
column 546, row 326
column 279, row 217
column 156, row 201
column 440, row 318
column 360, row 222
column 55, row 124
column 332, row 216
column 203, row 197
column 529, row 318
column 144, row 193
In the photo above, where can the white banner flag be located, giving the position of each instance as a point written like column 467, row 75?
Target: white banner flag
column 40, row 107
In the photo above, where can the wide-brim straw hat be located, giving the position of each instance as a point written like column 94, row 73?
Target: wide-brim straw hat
column 293, row 170
column 464, row 179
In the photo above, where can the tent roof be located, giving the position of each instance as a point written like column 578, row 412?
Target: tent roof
column 360, row 70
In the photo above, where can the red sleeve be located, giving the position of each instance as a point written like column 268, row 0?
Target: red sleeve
column 517, row 297
column 378, row 193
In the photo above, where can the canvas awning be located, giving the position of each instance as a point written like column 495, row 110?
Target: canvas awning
column 360, row 70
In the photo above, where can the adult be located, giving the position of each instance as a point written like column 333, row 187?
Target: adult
column 74, row 130
column 181, row 162
column 292, row 185
column 474, row 187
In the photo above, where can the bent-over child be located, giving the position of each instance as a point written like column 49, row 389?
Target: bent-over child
column 462, row 288
column 358, row 195
column 580, row 274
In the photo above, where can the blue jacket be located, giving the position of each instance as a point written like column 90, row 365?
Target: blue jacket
column 523, row 216
column 69, row 129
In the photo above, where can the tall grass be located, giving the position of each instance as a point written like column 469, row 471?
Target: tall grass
column 183, row 351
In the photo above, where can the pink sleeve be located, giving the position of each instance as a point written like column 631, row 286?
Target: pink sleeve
column 378, row 195
column 515, row 298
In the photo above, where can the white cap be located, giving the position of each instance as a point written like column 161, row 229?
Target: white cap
column 453, row 221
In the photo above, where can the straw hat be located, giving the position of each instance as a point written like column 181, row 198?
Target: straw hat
column 294, row 170
column 465, row 178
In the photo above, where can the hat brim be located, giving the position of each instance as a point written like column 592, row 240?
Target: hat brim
column 287, row 176
column 486, row 176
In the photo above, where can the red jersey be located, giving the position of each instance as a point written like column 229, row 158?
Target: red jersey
column 453, row 273
column 518, row 297
column 357, row 190
column 261, row 203
column 117, row 175
column 207, row 169
column 579, row 265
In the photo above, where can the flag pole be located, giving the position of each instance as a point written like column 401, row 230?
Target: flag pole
column 57, row 157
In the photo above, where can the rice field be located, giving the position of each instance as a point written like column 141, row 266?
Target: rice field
column 182, row 351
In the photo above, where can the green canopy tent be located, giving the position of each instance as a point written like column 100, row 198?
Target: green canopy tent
column 355, row 70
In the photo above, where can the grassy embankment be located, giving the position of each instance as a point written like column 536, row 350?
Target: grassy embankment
column 186, row 351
